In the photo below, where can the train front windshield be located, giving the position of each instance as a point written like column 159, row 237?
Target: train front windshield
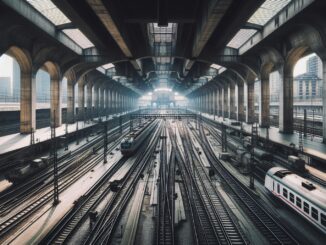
column 126, row 143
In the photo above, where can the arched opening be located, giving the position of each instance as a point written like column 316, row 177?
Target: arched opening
column 43, row 98
column 257, row 93
column 307, row 95
column 64, row 98
column 48, row 95
column 10, row 80
column 76, row 100
column 274, row 90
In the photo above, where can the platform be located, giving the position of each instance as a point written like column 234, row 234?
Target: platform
column 312, row 147
column 17, row 141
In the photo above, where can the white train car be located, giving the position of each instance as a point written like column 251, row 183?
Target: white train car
column 305, row 198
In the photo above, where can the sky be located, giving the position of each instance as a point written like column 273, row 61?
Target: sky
column 6, row 63
column 300, row 67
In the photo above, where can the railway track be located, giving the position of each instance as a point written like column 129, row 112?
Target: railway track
column 165, row 219
column 23, row 191
column 215, row 216
column 44, row 195
column 270, row 227
column 64, row 230
column 106, row 224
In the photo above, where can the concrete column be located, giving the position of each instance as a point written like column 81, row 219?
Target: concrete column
column 286, row 103
column 226, row 101
column 324, row 101
column 55, row 104
column 107, row 101
column 217, row 101
column 240, row 107
column 264, row 103
column 101, row 101
column 250, row 102
column 96, row 100
column 81, row 99
column 27, row 102
column 232, row 108
column 220, row 101
column 89, row 100
column 214, row 101
column 211, row 102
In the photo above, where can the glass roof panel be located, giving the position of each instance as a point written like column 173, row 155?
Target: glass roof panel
column 267, row 11
column 215, row 66
column 79, row 38
column 241, row 37
column 49, row 11
column 108, row 66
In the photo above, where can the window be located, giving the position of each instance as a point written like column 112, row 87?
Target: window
column 314, row 213
column 278, row 188
column 291, row 197
column 323, row 219
column 285, row 193
column 299, row 204
column 306, row 207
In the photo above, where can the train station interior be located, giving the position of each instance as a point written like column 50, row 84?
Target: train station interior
column 185, row 122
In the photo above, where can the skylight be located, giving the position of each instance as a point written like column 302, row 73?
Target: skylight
column 79, row 38
column 215, row 66
column 242, row 36
column 49, row 11
column 108, row 66
column 267, row 11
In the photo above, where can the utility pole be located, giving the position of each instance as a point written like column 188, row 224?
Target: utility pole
column 224, row 139
column 32, row 136
column 54, row 158
column 77, row 131
column 254, row 135
column 120, row 124
column 105, row 143
column 66, row 138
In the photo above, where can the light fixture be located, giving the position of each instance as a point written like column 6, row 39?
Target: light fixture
column 163, row 90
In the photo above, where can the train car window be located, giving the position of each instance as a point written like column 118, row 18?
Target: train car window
column 323, row 219
column 306, row 207
column 278, row 188
column 314, row 213
column 291, row 197
column 285, row 193
column 299, row 204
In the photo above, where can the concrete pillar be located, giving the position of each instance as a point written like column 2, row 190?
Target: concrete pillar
column 217, row 101
column 221, row 102
column 101, row 101
column 250, row 101
column 226, row 101
column 286, row 102
column 81, row 99
column 232, row 108
column 240, row 102
column 324, row 101
column 89, row 101
column 27, row 102
column 96, row 100
column 107, row 101
column 264, row 103
column 70, row 101
column 55, row 101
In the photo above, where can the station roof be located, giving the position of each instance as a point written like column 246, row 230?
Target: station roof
column 160, row 42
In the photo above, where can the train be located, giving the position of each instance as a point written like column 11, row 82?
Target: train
column 133, row 140
column 306, row 198
column 30, row 168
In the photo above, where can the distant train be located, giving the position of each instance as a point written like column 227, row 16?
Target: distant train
column 305, row 198
column 21, row 173
column 133, row 140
